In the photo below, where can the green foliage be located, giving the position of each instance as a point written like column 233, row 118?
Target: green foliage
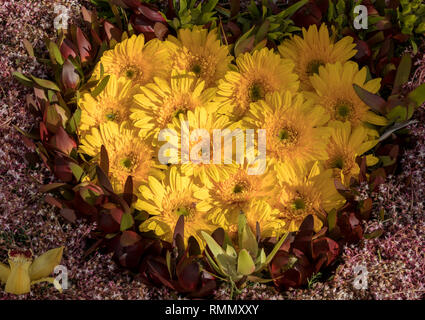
column 189, row 15
column 274, row 27
column 411, row 17
column 246, row 263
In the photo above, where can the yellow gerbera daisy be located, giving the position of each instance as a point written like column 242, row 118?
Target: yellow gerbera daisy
column 228, row 197
column 334, row 91
column 163, row 100
column 315, row 49
column 128, row 154
column 271, row 225
column 176, row 195
column 294, row 128
column 259, row 73
column 305, row 190
column 137, row 61
column 344, row 146
column 200, row 52
column 112, row 104
column 208, row 122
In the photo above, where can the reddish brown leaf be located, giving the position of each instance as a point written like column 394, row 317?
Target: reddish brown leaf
column 84, row 46
column 63, row 142
column 189, row 277
column 68, row 214
column 68, row 49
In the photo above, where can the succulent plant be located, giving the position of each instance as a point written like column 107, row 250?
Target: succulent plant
column 262, row 26
column 241, row 264
column 182, row 268
column 186, row 14
column 302, row 255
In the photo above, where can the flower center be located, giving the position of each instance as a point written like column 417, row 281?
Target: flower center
column 343, row 109
column 238, row 188
column 298, row 204
column 287, row 136
column 182, row 211
column 131, row 72
column 338, row 163
column 126, row 163
column 256, row 92
column 313, row 67
column 196, row 69
column 111, row 116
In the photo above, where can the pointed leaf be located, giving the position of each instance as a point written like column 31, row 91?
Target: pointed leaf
column 28, row 46
column 47, row 84
column 55, row 52
column 84, row 46
column 247, row 238
column 22, row 79
column 103, row 179
column 212, row 245
column 276, row 248
column 128, row 191
column 104, row 160
column 127, row 221
column 418, row 95
column 374, row 101
column 395, row 128
column 246, row 265
column 77, row 171
column 403, row 73
column 99, row 88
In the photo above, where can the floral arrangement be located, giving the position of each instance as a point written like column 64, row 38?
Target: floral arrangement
column 331, row 118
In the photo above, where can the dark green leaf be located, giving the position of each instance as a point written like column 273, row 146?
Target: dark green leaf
column 418, row 95
column 47, row 84
column 403, row 73
column 77, row 171
column 22, row 79
column 127, row 221
column 102, row 84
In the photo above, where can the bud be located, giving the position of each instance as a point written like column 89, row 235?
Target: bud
column 70, row 78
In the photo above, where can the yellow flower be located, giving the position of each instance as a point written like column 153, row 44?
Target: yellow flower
column 112, row 104
column 136, row 61
column 200, row 52
column 271, row 225
column 161, row 101
column 305, row 190
column 128, row 154
column 228, row 197
column 258, row 73
column 315, row 49
column 334, row 91
column 344, row 146
column 166, row 201
column 22, row 271
column 202, row 119
column 294, row 128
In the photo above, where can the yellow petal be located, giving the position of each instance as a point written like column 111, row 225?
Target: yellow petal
column 43, row 265
column 18, row 281
column 4, row 272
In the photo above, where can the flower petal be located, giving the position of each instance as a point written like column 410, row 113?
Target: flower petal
column 43, row 265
